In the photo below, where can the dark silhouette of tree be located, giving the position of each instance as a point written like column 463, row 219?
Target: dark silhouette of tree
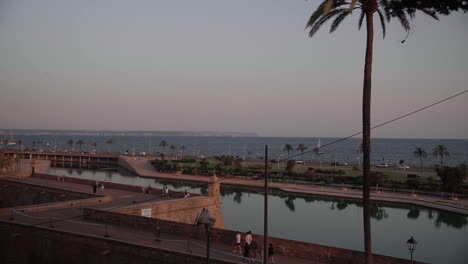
column 69, row 142
column 80, row 143
column 302, row 148
column 339, row 10
column 172, row 147
column 452, row 178
column 420, row 153
column 182, row 150
column 288, row 148
column 163, row 144
column 441, row 151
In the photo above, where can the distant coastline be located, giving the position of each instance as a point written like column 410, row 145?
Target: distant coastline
column 124, row 133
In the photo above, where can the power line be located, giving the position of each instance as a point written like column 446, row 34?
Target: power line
column 383, row 124
column 326, row 145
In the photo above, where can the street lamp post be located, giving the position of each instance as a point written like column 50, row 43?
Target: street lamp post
column 411, row 246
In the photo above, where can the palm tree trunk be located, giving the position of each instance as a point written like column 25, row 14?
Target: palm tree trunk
column 366, row 117
column 420, row 164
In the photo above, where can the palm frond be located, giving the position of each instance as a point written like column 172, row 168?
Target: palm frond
column 361, row 18
column 320, row 11
column 382, row 22
column 341, row 16
column 316, row 15
column 316, row 26
column 352, row 5
column 403, row 20
column 328, row 6
column 430, row 13
column 384, row 4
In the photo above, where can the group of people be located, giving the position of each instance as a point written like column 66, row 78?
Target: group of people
column 251, row 248
column 98, row 185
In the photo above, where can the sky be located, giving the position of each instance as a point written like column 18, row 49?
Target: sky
column 245, row 66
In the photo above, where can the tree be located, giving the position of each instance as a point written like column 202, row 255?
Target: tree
column 340, row 9
column 441, row 151
column 290, row 165
column 110, row 142
column 302, row 148
column 80, row 142
column 172, row 147
column 182, row 150
column 452, row 178
column 420, row 153
column 288, row 148
column 69, row 142
column 163, row 144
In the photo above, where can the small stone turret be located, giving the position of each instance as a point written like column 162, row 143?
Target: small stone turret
column 214, row 187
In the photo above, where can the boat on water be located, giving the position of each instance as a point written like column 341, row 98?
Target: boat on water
column 318, row 149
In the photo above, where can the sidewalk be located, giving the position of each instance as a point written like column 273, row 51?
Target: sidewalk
column 143, row 168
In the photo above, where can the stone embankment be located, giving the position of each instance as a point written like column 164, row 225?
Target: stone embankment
column 142, row 167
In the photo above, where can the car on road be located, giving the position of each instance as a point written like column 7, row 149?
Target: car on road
column 403, row 167
column 382, row 165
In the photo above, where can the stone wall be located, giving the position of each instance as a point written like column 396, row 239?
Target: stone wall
column 184, row 210
column 109, row 185
column 14, row 194
column 310, row 251
column 25, row 244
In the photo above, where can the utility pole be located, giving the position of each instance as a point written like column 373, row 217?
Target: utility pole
column 265, row 212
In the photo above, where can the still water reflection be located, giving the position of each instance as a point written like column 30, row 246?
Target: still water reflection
column 442, row 236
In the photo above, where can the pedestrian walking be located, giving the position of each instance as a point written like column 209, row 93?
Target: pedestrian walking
column 271, row 254
column 253, row 248
column 157, row 232
column 102, row 187
column 237, row 245
column 167, row 191
column 94, row 188
column 248, row 238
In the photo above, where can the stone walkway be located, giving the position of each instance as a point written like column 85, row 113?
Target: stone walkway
column 142, row 167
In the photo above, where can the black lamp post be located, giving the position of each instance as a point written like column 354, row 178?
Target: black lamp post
column 411, row 246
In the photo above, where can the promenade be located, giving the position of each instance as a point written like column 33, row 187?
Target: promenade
column 142, row 167
column 71, row 220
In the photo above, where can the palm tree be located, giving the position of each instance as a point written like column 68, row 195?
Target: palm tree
column 163, row 144
column 420, row 153
column 302, row 148
column 80, row 142
column 288, row 148
column 69, row 142
column 441, row 151
column 110, row 141
column 172, row 147
column 182, row 150
column 340, row 9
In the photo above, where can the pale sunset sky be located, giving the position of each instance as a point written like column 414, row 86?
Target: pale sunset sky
column 246, row 66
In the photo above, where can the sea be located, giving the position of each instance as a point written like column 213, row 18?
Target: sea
column 389, row 150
